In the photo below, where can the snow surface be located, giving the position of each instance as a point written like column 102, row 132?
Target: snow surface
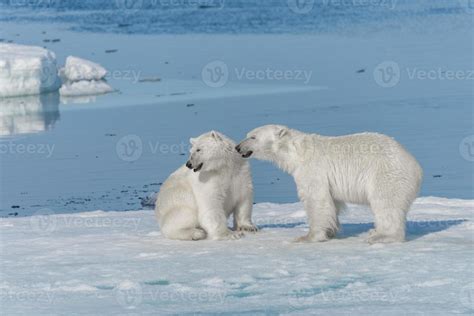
column 99, row 263
column 27, row 70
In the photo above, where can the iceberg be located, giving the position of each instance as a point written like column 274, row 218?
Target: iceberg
column 77, row 69
column 83, row 77
column 31, row 70
column 27, row 70
column 85, row 87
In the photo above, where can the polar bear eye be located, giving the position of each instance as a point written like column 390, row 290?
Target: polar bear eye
column 253, row 137
column 198, row 150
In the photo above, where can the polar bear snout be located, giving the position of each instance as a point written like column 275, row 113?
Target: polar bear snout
column 247, row 154
column 189, row 164
column 244, row 151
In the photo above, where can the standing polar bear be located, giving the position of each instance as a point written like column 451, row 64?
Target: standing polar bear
column 366, row 168
column 197, row 199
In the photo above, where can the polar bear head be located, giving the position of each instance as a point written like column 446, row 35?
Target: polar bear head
column 211, row 151
column 264, row 142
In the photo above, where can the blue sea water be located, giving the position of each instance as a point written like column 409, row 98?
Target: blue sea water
column 236, row 16
column 432, row 118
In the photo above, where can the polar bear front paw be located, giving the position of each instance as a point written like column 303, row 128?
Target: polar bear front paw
column 229, row 235
column 198, row 234
column 375, row 238
column 318, row 237
column 372, row 233
column 247, row 228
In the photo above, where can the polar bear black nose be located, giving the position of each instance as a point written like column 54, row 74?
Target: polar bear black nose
column 237, row 148
column 189, row 165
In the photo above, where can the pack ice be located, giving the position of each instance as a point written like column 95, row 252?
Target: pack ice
column 31, row 70
column 118, row 263
column 27, row 70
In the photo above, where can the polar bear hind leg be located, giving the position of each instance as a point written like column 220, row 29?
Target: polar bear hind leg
column 390, row 219
column 182, row 224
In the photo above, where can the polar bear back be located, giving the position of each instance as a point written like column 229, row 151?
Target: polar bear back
column 359, row 164
column 175, row 192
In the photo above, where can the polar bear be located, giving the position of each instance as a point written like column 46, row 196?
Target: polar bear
column 198, row 198
column 365, row 168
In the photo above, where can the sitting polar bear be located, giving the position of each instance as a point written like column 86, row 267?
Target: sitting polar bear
column 366, row 168
column 193, row 205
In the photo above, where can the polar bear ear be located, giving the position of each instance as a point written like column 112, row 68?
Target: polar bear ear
column 216, row 135
column 192, row 141
column 282, row 132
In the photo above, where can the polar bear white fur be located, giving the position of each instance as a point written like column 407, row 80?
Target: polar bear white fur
column 197, row 199
column 366, row 168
